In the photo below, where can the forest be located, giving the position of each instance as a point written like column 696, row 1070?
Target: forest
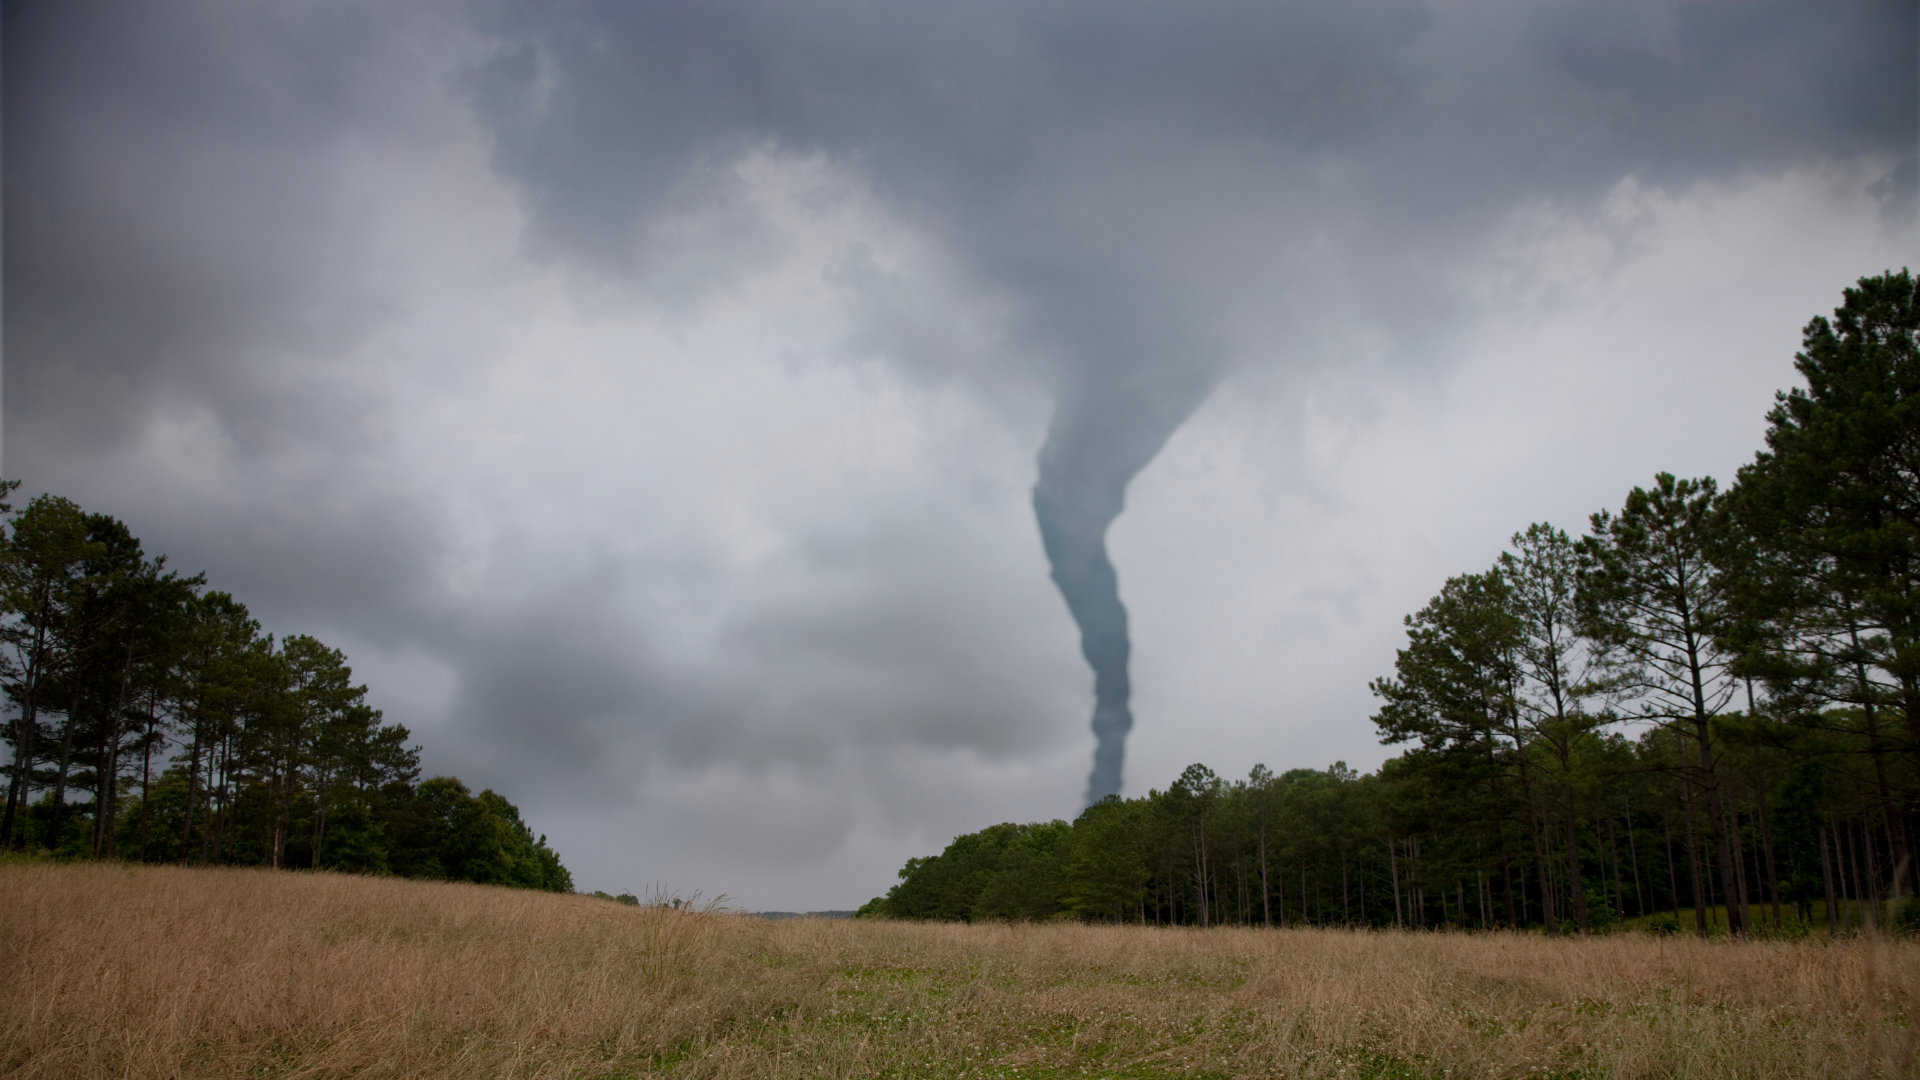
column 154, row 721
column 1700, row 714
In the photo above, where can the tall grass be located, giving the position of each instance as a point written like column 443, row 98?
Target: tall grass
column 113, row 971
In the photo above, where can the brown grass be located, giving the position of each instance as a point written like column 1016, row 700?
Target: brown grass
column 151, row 971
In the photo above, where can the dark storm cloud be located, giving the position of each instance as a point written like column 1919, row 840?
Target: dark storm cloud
column 1108, row 166
column 875, row 640
column 171, row 221
column 1137, row 181
column 1042, row 137
column 179, row 249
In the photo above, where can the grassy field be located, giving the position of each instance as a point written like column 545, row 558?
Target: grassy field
column 114, row 971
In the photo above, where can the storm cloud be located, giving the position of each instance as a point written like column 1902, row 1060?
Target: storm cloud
column 683, row 405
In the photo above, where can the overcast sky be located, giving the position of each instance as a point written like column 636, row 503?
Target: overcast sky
column 648, row 396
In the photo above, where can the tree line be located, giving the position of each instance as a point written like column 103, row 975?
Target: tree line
column 1702, row 712
column 154, row 721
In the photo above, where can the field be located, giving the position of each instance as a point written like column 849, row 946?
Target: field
column 117, row 971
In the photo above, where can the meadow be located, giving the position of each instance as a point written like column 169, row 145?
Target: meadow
column 115, row 970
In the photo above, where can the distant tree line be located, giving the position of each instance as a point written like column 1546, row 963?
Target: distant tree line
column 152, row 720
column 1703, row 712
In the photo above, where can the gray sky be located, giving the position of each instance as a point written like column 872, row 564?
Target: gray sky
column 648, row 396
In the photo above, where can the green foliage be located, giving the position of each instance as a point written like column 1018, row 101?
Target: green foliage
column 1005, row 872
column 356, row 840
column 451, row 834
column 1601, row 915
column 1105, row 869
column 1903, row 917
column 1665, row 923
column 196, row 737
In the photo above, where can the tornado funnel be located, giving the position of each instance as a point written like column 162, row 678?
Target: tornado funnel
column 1101, row 436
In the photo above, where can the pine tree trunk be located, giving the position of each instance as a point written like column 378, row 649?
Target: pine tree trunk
column 1393, row 868
column 1872, row 877
column 1693, row 861
column 1717, row 821
column 146, row 776
column 106, row 796
column 1766, row 847
column 21, row 770
column 285, row 814
column 1173, row 901
column 319, row 820
column 102, row 771
column 1910, row 692
column 210, row 835
column 1543, row 859
column 1613, row 852
column 1280, row 891
column 57, row 819
column 1506, row 888
column 1673, row 876
column 1826, row 879
column 1266, row 908
column 193, row 791
column 1240, row 885
column 1896, row 833
column 1526, row 912
column 222, row 767
column 1633, row 853
column 1576, row 885
column 1199, row 884
column 1737, row 837
column 20, row 790
column 1841, row 860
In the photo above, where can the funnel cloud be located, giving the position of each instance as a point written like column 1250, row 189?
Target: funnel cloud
column 1101, row 436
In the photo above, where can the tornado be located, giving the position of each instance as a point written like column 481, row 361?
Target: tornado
column 1103, row 433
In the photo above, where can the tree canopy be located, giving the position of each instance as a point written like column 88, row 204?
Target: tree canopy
column 154, row 720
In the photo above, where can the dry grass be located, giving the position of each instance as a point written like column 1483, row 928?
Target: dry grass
column 112, row 971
